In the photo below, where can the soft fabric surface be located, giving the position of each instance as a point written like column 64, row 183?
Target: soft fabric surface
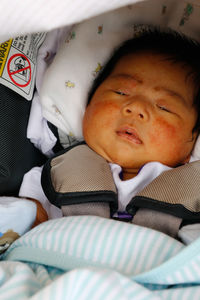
column 16, row 217
column 92, row 257
column 38, row 15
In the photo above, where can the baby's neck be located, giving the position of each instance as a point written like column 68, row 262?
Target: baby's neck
column 129, row 173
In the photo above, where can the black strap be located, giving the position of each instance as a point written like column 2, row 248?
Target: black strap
column 17, row 154
column 58, row 147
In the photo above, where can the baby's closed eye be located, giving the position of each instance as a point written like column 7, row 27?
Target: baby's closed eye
column 120, row 92
column 164, row 108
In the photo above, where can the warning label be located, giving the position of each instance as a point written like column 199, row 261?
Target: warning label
column 18, row 59
column 4, row 49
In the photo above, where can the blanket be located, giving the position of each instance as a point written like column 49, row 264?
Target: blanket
column 37, row 15
column 95, row 258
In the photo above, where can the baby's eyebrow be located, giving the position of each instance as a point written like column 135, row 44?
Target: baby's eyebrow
column 172, row 93
column 134, row 77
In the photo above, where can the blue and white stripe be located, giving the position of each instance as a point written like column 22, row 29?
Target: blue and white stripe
column 94, row 258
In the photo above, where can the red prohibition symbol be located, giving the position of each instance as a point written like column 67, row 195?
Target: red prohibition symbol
column 19, row 65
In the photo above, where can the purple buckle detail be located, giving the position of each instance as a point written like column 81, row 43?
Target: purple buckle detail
column 124, row 215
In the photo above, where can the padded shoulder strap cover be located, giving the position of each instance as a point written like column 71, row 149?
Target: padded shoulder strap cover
column 176, row 192
column 79, row 175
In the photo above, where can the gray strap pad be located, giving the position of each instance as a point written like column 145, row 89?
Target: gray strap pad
column 78, row 176
column 175, row 192
column 157, row 220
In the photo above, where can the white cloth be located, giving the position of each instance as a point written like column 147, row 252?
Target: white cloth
column 16, row 214
column 189, row 233
column 127, row 189
column 31, row 16
column 31, row 188
column 47, row 52
column 38, row 131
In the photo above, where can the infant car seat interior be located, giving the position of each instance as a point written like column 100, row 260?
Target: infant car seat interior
column 77, row 253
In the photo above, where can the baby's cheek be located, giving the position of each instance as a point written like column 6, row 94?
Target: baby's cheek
column 164, row 134
column 105, row 112
column 101, row 115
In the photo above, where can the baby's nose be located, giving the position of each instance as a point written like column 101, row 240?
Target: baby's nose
column 136, row 108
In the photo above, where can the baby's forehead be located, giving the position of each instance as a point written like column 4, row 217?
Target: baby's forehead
column 155, row 70
column 140, row 58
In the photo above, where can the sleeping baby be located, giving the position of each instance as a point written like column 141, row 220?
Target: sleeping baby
column 142, row 119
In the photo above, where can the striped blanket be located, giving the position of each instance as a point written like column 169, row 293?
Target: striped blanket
column 96, row 258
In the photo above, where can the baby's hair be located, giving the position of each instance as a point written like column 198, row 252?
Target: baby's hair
column 175, row 46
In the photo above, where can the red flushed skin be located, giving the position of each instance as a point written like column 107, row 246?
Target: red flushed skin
column 166, row 132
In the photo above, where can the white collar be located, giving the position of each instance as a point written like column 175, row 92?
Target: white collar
column 127, row 189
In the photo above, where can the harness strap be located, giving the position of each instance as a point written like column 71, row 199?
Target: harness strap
column 80, row 182
column 176, row 192
column 79, row 176
column 157, row 220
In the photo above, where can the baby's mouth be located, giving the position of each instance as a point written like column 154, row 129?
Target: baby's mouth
column 129, row 134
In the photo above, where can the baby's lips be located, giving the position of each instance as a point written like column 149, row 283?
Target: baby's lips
column 130, row 134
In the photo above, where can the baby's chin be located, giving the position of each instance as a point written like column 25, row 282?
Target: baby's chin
column 125, row 165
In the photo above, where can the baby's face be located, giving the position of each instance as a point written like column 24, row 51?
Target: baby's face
column 142, row 112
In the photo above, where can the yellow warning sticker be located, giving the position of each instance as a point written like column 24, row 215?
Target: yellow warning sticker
column 4, row 50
